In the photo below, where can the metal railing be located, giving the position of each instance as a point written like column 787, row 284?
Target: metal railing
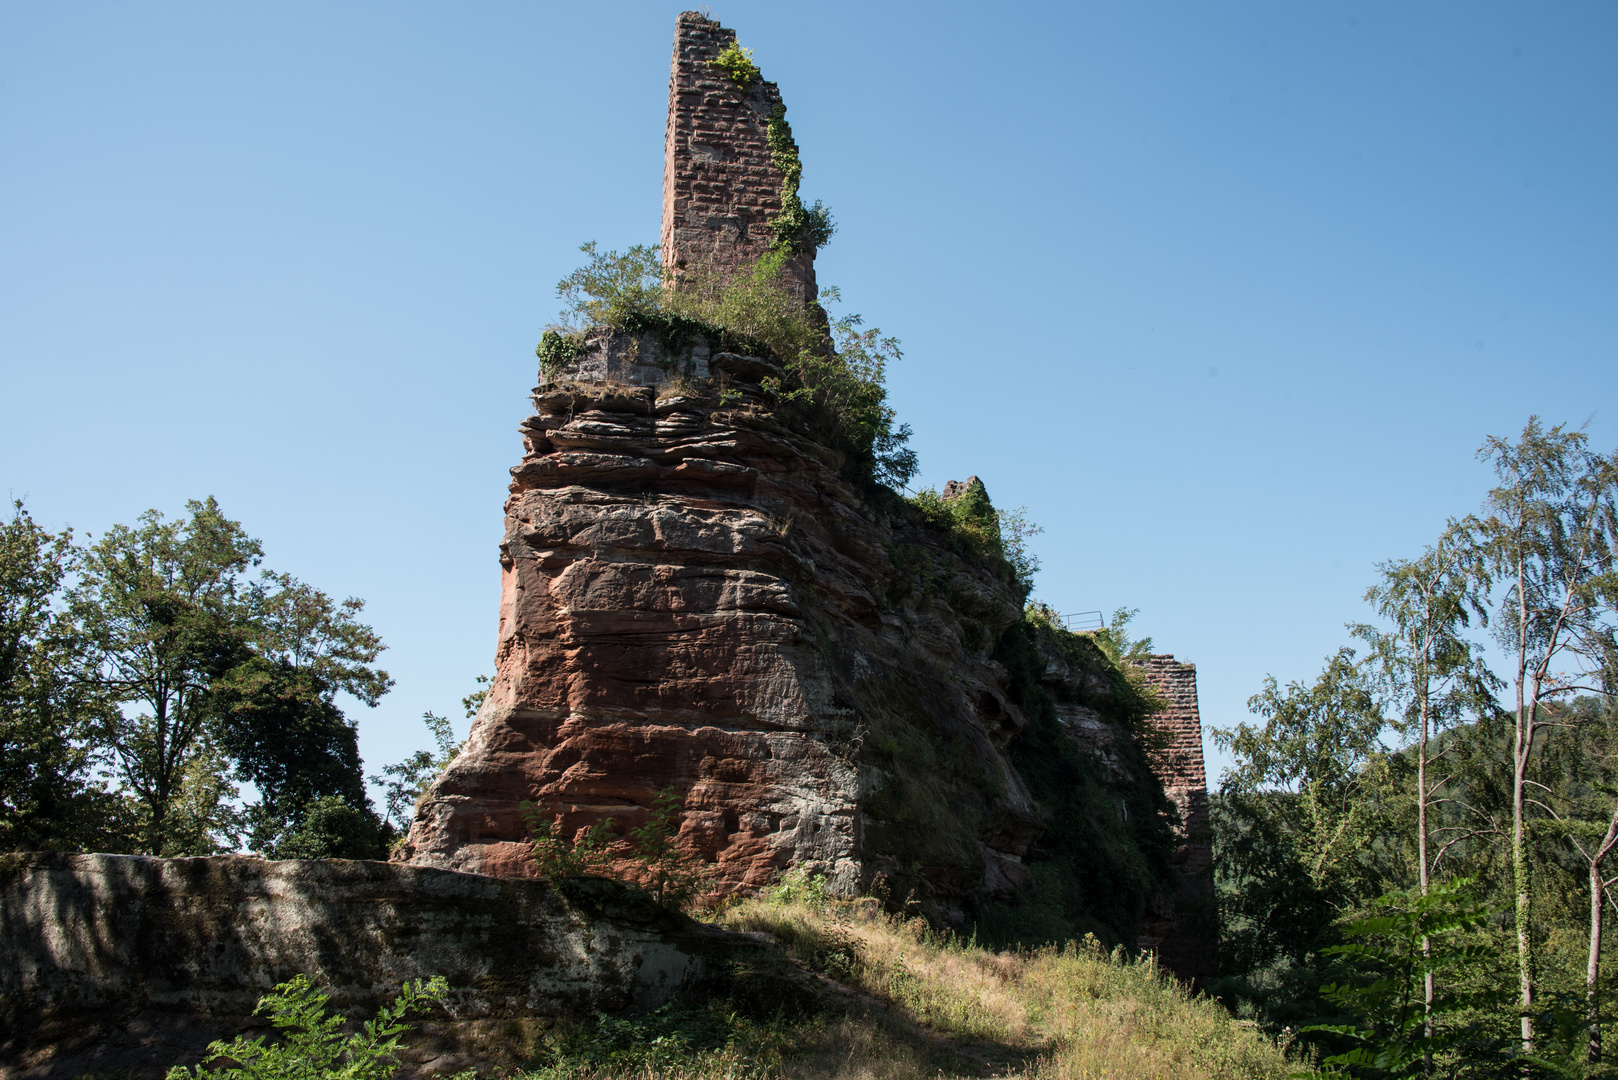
column 1084, row 620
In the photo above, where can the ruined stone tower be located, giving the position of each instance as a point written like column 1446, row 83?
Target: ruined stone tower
column 721, row 184
column 697, row 594
column 1180, row 928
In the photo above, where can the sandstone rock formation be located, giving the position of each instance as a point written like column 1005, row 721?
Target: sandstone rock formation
column 694, row 597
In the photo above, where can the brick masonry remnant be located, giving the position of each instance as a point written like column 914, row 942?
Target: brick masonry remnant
column 720, row 187
column 1181, row 928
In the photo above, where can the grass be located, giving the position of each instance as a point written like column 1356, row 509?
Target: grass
column 853, row 992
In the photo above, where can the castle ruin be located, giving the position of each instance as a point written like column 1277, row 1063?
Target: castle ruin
column 694, row 597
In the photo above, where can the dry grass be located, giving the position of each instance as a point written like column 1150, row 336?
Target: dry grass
column 899, row 1001
column 1083, row 1012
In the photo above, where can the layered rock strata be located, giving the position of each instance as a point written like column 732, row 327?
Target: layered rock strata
column 694, row 597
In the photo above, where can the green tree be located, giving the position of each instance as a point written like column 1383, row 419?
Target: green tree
column 1547, row 539
column 1432, row 677
column 206, row 672
column 403, row 783
column 331, row 827
column 1316, row 748
column 163, row 607
column 1301, row 823
column 1576, row 788
column 48, row 708
column 276, row 712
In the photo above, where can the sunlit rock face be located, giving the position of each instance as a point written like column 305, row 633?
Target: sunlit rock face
column 695, row 598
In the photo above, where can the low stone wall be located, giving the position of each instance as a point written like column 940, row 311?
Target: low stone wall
column 111, row 937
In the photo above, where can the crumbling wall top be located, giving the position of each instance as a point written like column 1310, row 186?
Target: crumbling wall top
column 721, row 187
column 1181, row 765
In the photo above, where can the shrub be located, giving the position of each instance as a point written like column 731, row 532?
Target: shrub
column 658, row 864
column 331, row 829
column 558, row 859
column 835, row 371
column 980, row 531
column 665, row 871
column 314, row 1046
column 736, row 63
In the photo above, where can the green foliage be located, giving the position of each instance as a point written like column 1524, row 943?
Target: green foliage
column 736, row 63
column 410, row 777
column 167, row 668
column 612, row 289
column 314, row 1046
column 848, row 388
column 1401, row 940
column 834, row 371
column 1106, row 849
column 556, row 350
column 290, row 740
column 797, row 886
column 49, row 710
column 665, row 871
column 673, row 1039
column 1315, row 740
column 652, row 848
column 163, row 605
column 796, row 229
column 330, row 828
column 558, row 858
column 1308, row 825
column 473, row 702
column 979, row 531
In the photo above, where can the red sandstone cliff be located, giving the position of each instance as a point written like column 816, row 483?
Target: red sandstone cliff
column 694, row 597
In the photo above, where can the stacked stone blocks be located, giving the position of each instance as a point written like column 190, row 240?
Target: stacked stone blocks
column 720, row 187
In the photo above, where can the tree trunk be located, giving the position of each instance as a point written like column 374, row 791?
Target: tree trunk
column 1592, row 971
column 1520, row 880
column 1423, row 689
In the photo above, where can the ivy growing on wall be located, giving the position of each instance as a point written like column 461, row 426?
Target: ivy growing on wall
column 796, row 228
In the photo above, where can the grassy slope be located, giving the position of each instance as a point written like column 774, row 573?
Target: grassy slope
column 863, row 994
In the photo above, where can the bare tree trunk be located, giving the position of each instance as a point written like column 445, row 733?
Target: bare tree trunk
column 1423, row 688
column 1520, row 872
column 1592, row 971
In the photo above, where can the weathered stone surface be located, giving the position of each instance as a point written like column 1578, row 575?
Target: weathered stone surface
column 1181, row 928
column 721, row 188
column 211, row 935
column 694, row 597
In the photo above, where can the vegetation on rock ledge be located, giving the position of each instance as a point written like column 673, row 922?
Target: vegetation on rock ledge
column 834, row 371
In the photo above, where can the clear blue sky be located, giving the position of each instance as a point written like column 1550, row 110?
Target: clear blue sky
column 1225, row 294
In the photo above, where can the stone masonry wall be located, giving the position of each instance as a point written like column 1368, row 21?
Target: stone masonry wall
column 720, row 188
column 1180, row 927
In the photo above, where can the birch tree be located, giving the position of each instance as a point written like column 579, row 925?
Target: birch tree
column 1433, row 678
column 1546, row 541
